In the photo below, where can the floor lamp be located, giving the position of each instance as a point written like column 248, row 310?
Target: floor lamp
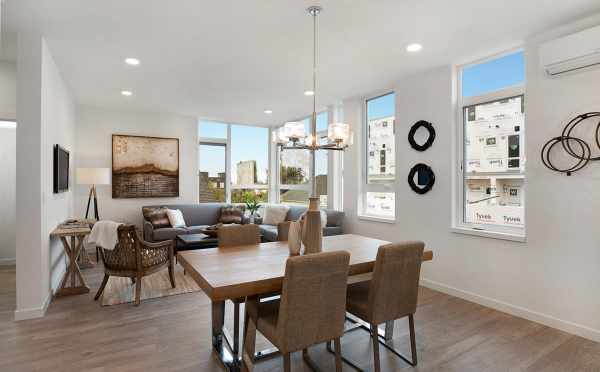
column 93, row 177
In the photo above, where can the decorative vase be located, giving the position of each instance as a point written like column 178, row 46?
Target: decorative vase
column 295, row 238
column 312, row 232
column 251, row 218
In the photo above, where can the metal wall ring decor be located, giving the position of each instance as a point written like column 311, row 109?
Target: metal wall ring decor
column 582, row 152
column 413, row 130
column 425, row 176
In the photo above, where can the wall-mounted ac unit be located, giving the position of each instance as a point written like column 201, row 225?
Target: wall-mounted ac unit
column 571, row 53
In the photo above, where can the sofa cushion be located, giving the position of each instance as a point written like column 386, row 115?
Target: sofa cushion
column 232, row 214
column 157, row 216
column 269, row 232
column 274, row 214
column 176, row 218
column 168, row 233
column 332, row 230
column 334, row 218
column 295, row 212
column 196, row 214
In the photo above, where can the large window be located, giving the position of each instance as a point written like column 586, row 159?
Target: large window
column 491, row 190
column 233, row 162
column 378, row 198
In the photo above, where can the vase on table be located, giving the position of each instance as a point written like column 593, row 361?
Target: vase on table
column 312, row 231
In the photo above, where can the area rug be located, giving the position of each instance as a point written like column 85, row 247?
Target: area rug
column 121, row 290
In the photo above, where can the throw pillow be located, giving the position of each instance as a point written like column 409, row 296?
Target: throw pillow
column 275, row 214
column 232, row 214
column 156, row 216
column 176, row 218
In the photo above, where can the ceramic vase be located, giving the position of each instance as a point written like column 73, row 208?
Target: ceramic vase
column 312, row 233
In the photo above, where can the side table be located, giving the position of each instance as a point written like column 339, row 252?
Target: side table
column 72, row 250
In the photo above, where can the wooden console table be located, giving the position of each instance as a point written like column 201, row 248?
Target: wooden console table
column 72, row 250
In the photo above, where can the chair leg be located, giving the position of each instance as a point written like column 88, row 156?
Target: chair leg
column 101, row 289
column 338, row 355
column 97, row 254
column 375, row 337
column 249, row 343
column 138, row 290
column 413, row 342
column 236, row 328
column 172, row 274
column 287, row 363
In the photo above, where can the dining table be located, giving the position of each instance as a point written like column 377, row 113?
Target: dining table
column 258, row 269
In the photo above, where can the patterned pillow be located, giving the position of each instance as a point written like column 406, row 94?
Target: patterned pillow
column 156, row 216
column 232, row 214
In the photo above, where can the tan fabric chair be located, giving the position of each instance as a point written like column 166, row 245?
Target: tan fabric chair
column 311, row 309
column 283, row 229
column 232, row 236
column 391, row 294
column 135, row 258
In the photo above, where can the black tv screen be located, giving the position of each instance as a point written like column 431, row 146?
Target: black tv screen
column 61, row 169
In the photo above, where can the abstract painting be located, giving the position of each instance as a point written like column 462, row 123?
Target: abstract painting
column 144, row 167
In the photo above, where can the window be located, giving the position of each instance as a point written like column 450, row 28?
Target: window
column 378, row 198
column 294, row 169
column 249, row 163
column 492, row 187
column 233, row 162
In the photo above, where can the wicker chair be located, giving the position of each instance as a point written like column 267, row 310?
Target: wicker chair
column 135, row 258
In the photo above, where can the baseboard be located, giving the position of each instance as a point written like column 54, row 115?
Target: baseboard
column 8, row 261
column 534, row 316
column 33, row 313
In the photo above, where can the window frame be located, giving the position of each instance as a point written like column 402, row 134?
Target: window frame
column 458, row 204
column 379, row 187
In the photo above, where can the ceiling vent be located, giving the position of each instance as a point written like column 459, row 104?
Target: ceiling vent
column 571, row 53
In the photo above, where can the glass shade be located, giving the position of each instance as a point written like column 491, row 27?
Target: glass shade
column 295, row 130
column 338, row 133
column 279, row 136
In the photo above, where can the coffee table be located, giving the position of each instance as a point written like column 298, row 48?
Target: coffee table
column 195, row 241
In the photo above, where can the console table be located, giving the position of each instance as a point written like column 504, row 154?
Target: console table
column 72, row 250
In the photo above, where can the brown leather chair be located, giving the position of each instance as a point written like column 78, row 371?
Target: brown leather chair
column 135, row 258
column 311, row 309
column 391, row 294
column 232, row 236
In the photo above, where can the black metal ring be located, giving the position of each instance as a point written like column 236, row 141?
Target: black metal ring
column 413, row 130
column 582, row 160
column 411, row 178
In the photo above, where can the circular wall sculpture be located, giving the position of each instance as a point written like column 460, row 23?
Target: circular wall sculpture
column 430, row 138
column 425, row 178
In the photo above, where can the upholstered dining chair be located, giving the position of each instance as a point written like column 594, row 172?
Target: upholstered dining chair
column 135, row 258
column 391, row 294
column 311, row 309
column 232, row 236
column 283, row 230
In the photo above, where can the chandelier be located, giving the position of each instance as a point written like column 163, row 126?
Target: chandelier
column 293, row 136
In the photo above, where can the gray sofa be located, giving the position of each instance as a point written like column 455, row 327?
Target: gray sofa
column 199, row 216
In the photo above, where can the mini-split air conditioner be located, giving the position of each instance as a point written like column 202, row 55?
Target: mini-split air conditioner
column 571, row 53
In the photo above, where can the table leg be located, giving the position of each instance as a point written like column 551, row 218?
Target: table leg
column 73, row 272
column 219, row 346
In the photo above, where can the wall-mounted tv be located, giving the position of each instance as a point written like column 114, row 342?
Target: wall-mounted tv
column 61, row 169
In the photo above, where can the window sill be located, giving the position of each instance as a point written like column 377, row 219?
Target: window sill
column 521, row 238
column 376, row 219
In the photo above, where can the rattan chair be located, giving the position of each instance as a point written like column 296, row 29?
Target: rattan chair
column 391, row 294
column 232, row 236
column 311, row 309
column 135, row 258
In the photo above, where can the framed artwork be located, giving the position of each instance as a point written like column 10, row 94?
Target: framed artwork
column 144, row 167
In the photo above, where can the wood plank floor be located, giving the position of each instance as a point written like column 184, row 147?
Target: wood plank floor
column 172, row 334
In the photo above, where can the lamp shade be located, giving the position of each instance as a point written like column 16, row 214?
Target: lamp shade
column 338, row 132
column 279, row 136
column 93, row 176
column 295, row 130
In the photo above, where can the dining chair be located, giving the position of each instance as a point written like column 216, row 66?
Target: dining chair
column 391, row 294
column 283, row 230
column 311, row 309
column 231, row 236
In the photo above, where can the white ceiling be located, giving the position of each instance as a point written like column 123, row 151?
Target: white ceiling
column 230, row 59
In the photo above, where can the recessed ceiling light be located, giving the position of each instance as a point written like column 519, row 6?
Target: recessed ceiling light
column 414, row 47
column 268, row 112
column 132, row 61
column 127, row 93
column 309, row 93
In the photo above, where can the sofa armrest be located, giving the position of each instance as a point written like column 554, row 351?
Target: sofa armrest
column 148, row 231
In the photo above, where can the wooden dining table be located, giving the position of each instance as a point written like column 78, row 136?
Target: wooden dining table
column 258, row 269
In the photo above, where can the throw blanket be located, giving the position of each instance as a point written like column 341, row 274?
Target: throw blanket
column 104, row 234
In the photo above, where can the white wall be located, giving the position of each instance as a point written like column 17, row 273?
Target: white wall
column 554, row 276
column 8, row 110
column 95, row 128
column 45, row 116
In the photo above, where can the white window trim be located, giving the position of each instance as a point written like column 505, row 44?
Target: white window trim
column 458, row 225
column 365, row 186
